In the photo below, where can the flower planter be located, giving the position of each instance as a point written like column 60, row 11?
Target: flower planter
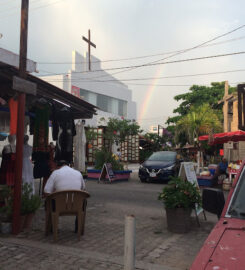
column 119, row 175
column 178, row 220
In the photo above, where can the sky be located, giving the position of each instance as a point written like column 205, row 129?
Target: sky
column 135, row 28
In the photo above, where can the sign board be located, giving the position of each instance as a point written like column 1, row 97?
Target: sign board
column 187, row 172
column 230, row 145
column 24, row 86
column 107, row 171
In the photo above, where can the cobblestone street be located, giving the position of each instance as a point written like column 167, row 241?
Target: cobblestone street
column 101, row 247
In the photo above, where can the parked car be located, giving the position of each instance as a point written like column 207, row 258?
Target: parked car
column 159, row 166
column 224, row 248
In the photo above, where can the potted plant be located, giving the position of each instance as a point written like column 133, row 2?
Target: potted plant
column 29, row 204
column 179, row 198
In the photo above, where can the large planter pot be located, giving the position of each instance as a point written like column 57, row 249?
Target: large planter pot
column 119, row 175
column 178, row 220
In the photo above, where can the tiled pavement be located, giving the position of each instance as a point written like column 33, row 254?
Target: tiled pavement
column 102, row 245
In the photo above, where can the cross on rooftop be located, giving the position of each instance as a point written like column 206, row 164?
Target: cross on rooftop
column 90, row 43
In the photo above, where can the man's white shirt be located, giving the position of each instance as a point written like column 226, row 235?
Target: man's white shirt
column 64, row 178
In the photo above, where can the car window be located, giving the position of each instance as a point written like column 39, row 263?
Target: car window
column 163, row 156
column 237, row 205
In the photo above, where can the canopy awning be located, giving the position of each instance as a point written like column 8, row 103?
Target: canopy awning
column 220, row 138
column 79, row 107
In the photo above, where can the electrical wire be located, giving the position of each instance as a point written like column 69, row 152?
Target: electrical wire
column 139, row 57
column 33, row 9
column 175, row 85
column 152, row 63
column 2, row 12
column 158, row 78
column 156, row 64
column 168, row 85
column 177, row 53
column 156, row 61
column 166, row 77
column 189, row 49
column 53, row 3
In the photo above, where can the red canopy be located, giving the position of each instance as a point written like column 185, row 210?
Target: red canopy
column 220, row 138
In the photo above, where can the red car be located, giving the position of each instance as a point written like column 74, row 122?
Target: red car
column 224, row 248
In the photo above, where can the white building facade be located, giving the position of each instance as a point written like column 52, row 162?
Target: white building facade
column 112, row 97
column 153, row 129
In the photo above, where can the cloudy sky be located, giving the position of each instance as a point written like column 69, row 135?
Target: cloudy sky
column 133, row 29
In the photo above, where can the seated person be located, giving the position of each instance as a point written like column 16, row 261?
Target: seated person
column 64, row 178
column 222, row 167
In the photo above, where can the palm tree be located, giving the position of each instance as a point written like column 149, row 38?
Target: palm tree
column 200, row 120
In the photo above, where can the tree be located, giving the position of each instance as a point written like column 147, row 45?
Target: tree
column 159, row 142
column 156, row 143
column 200, row 120
column 199, row 95
column 119, row 129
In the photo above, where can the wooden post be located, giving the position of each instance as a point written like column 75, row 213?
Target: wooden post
column 241, row 106
column 21, row 116
column 225, row 107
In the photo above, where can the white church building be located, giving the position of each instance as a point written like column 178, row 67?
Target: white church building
column 112, row 97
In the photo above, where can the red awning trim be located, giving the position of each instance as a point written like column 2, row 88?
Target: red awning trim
column 220, row 138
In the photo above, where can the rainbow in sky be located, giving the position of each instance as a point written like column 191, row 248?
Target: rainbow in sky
column 148, row 96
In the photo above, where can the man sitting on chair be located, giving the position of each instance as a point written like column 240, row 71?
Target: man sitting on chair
column 64, row 178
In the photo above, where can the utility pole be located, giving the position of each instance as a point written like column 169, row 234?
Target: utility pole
column 90, row 43
column 21, row 115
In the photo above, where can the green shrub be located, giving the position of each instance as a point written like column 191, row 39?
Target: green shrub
column 29, row 202
column 180, row 194
column 104, row 156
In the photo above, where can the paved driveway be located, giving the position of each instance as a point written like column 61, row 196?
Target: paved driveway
column 102, row 245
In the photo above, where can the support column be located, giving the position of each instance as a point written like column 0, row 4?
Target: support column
column 21, row 116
